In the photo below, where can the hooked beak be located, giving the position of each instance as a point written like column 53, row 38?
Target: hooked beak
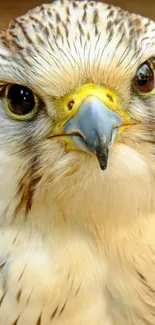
column 93, row 122
column 94, row 128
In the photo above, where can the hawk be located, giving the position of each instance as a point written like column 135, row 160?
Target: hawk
column 77, row 167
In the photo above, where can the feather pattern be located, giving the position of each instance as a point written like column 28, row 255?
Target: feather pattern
column 76, row 244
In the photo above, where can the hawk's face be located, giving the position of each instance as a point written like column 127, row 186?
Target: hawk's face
column 77, row 86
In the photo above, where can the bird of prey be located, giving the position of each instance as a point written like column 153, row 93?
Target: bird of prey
column 77, row 167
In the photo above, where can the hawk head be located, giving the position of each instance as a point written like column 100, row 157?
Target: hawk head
column 77, row 114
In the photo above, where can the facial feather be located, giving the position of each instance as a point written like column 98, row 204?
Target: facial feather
column 60, row 49
column 69, row 229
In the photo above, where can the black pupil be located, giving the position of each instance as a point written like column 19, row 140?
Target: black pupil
column 21, row 100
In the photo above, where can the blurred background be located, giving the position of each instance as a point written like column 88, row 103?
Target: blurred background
column 12, row 8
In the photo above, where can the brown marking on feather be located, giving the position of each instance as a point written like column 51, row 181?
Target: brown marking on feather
column 68, row 11
column 40, row 40
column 96, row 30
column 58, row 31
column 2, row 298
column 39, row 321
column 66, row 29
column 74, row 4
column 58, row 18
column 110, row 27
column 111, row 13
column 15, row 238
column 46, row 32
column 22, row 273
column 18, row 296
column 84, row 17
column 16, row 321
column 77, row 291
column 2, row 264
column 63, row 307
column 80, row 28
column 51, row 25
column 26, row 190
column 25, row 199
column 141, row 276
column 27, row 302
column 54, row 312
column 144, row 281
column 4, row 58
column 96, row 17
column 12, row 38
column 26, row 35
column 37, row 22
column 88, row 36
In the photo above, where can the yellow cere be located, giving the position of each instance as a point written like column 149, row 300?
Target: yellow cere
column 71, row 102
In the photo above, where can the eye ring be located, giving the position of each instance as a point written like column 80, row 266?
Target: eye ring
column 144, row 79
column 20, row 102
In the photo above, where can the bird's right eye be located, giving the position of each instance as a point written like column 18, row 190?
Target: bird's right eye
column 21, row 103
column 144, row 80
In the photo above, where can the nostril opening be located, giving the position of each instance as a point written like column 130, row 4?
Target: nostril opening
column 110, row 98
column 70, row 105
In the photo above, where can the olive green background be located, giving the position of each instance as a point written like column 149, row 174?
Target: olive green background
column 12, row 8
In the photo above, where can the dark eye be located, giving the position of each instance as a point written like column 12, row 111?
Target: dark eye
column 20, row 102
column 144, row 80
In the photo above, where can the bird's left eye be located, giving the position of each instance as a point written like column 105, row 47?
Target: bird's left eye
column 21, row 103
column 144, row 80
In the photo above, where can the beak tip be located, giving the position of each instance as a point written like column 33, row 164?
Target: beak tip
column 103, row 166
column 103, row 159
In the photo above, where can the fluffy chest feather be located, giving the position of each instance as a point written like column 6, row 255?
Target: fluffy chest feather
column 83, row 256
column 70, row 278
column 51, row 281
